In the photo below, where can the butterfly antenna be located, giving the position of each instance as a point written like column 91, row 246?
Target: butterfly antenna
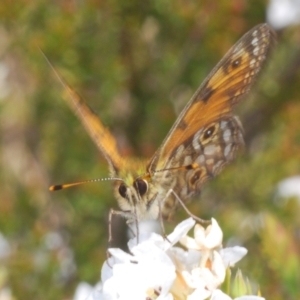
column 60, row 78
column 187, row 167
column 68, row 185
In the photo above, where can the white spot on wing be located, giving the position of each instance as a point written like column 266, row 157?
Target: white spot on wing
column 187, row 160
column 196, row 142
column 210, row 149
column 254, row 41
column 227, row 150
column 252, row 63
column 227, row 135
column 200, row 160
column 179, row 151
column 223, row 124
column 210, row 161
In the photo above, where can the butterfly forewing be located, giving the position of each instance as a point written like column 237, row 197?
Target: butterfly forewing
column 97, row 131
column 206, row 135
column 220, row 91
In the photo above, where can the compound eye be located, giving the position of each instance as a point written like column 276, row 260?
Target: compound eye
column 122, row 190
column 141, row 186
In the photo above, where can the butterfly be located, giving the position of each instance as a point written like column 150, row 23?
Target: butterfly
column 205, row 137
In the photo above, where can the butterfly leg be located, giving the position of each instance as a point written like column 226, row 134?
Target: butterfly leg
column 129, row 216
column 110, row 216
column 161, row 223
column 197, row 219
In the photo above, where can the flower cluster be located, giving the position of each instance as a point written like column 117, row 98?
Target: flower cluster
column 157, row 269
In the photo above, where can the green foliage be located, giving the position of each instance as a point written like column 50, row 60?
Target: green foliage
column 136, row 63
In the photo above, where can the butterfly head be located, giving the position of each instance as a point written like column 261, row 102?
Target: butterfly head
column 136, row 193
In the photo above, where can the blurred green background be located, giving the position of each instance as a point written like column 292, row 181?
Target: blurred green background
column 136, row 63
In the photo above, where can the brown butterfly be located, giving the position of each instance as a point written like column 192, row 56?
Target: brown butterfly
column 205, row 137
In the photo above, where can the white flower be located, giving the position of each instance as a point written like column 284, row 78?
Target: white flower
column 287, row 188
column 219, row 295
column 83, row 291
column 5, row 249
column 205, row 239
column 202, row 267
column 163, row 243
column 148, row 272
column 156, row 269
column 282, row 13
column 232, row 255
column 6, row 294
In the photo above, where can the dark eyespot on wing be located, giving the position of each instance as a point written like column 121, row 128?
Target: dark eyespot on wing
column 237, row 62
column 232, row 64
column 196, row 176
column 209, row 132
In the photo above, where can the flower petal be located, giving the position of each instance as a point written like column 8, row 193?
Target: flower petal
column 249, row 297
column 232, row 255
column 219, row 295
column 218, row 269
column 214, row 235
column 199, row 294
column 181, row 230
column 189, row 243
